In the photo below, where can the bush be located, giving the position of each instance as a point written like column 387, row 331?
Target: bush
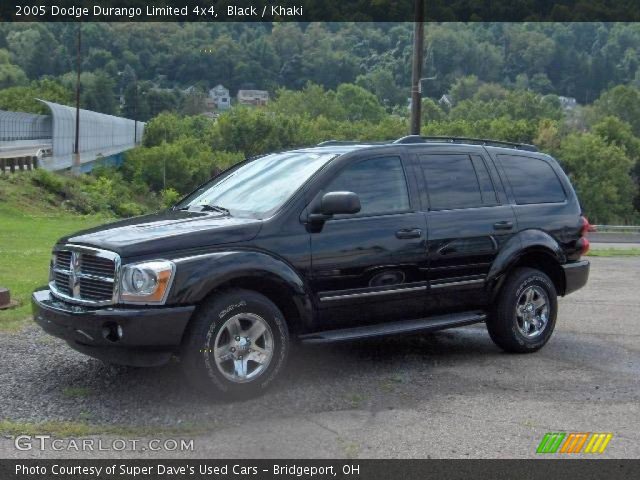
column 105, row 191
column 50, row 181
column 129, row 209
column 169, row 197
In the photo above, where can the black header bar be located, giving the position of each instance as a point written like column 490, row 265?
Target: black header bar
column 318, row 10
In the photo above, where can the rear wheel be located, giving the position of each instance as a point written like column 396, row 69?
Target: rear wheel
column 524, row 316
column 236, row 346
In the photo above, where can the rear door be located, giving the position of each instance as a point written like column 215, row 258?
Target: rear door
column 468, row 218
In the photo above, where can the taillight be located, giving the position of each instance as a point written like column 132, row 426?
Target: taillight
column 586, row 226
column 583, row 245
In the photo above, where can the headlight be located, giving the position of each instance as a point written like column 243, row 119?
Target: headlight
column 146, row 282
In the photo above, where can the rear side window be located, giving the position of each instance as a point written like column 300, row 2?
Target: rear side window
column 457, row 181
column 532, row 180
column 379, row 183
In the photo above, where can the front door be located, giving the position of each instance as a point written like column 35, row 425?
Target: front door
column 369, row 267
column 468, row 225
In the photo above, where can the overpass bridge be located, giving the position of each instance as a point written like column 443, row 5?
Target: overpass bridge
column 48, row 141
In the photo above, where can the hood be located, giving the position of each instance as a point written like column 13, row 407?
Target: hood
column 166, row 231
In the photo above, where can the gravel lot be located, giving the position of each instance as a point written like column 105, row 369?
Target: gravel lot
column 451, row 394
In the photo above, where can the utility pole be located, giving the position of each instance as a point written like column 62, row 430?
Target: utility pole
column 135, row 109
column 76, row 149
column 416, row 74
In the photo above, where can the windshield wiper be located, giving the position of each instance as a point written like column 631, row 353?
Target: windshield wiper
column 216, row 208
column 211, row 208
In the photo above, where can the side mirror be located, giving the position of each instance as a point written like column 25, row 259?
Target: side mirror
column 333, row 203
column 336, row 203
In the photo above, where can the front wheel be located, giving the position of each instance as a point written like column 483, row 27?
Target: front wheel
column 236, row 346
column 524, row 316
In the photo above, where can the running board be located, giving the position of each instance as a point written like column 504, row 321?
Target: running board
column 421, row 325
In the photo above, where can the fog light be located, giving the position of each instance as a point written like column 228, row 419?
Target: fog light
column 112, row 331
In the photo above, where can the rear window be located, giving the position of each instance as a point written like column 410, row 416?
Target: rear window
column 532, row 180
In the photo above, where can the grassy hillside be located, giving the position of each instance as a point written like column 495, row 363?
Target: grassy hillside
column 31, row 220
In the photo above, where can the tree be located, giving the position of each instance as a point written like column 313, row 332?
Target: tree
column 623, row 102
column 23, row 99
column 431, row 111
column 616, row 132
column 313, row 100
column 10, row 74
column 601, row 176
column 252, row 131
column 358, row 103
column 181, row 165
column 30, row 48
column 383, row 85
column 465, row 88
column 193, row 102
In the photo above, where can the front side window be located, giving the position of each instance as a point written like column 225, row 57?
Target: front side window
column 379, row 183
column 532, row 180
column 258, row 188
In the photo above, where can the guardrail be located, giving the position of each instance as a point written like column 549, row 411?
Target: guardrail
column 616, row 228
column 614, row 234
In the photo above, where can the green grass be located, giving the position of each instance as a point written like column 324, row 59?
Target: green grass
column 30, row 224
column 614, row 252
column 76, row 392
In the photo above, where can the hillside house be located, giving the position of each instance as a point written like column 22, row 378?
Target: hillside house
column 446, row 101
column 220, row 97
column 567, row 103
column 253, row 97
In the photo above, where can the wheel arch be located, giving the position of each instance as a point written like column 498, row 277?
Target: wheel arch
column 198, row 278
column 537, row 250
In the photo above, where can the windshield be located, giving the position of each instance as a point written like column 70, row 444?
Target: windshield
column 260, row 187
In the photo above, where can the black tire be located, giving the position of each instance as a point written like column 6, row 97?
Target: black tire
column 220, row 311
column 504, row 325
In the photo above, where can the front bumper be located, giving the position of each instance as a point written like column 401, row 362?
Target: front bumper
column 149, row 335
column 576, row 275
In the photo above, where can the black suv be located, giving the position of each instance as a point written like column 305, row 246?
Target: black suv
column 342, row 241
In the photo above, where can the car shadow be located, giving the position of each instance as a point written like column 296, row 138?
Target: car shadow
column 318, row 378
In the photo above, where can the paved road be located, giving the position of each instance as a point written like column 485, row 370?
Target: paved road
column 613, row 237
column 615, row 245
column 23, row 151
column 446, row 395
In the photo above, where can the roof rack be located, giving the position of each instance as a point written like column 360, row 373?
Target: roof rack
column 476, row 141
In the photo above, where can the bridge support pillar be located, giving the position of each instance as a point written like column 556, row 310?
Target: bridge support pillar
column 75, row 166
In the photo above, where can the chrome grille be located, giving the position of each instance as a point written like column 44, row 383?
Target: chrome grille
column 85, row 275
column 62, row 282
column 102, row 267
column 63, row 257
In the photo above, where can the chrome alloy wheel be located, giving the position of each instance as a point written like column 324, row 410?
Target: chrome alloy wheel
column 243, row 347
column 532, row 311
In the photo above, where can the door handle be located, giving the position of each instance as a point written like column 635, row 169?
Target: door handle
column 504, row 225
column 409, row 233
